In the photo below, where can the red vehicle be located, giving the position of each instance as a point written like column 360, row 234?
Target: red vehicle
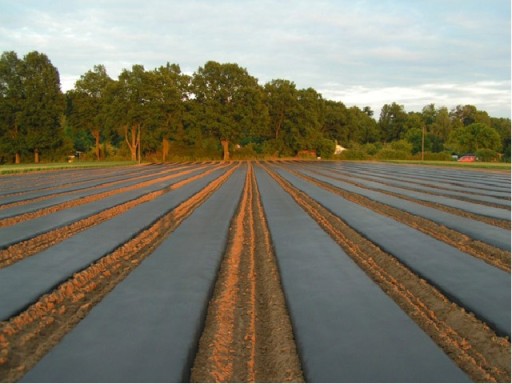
column 468, row 158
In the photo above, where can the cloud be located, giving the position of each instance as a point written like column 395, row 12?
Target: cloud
column 374, row 48
column 490, row 96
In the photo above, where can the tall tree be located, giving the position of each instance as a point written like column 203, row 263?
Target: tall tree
column 502, row 126
column 129, row 99
column 312, row 115
column 12, row 139
column 336, row 120
column 36, row 106
column 282, row 102
column 475, row 136
column 171, row 89
column 44, row 104
column 89, row 102
column 392, row 122
column 230, row 102
column 441, row 126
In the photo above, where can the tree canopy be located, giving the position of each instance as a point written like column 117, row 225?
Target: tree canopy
column 219, row 110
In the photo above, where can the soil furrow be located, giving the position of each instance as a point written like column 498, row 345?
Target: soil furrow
column 491, row 255
column 27, row 337
column 382, row 178
column 77, row 178
column 90, row 198
column 91, row 189
column 247, row 335
column 24, row 249
column 461, row 179
column 488, row 220
column 470, row 343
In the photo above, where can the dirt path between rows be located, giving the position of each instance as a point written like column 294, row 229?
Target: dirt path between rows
column 492, row 255
column 27, row 337
column 83, row 200
column 27, row 248
column 248, row 335
column 455, row 211
column 54, row 182
column 384, row 180
column 475, row 348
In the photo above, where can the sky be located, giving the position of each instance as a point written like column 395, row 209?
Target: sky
column 359, row 52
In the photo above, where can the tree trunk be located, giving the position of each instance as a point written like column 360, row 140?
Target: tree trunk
column 132, row 144
column 36, row 156
column 165, row 149
column 17, row 158
column 225, row 148
column 96, row 134
column 138, row 144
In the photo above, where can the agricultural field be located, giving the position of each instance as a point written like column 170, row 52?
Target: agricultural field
column 281, row 271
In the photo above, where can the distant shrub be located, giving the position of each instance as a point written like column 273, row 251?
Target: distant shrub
column 325, row 148
column 247, row 152
column 392, row 154
column 396, row 150
column 487, row 155
column 401, row 146
column 353, row 154
column 371, row 148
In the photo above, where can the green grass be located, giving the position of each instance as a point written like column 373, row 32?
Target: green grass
column 475, row 165
column 24, row 168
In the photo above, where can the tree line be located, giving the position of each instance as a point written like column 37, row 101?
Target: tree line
column 220, row 111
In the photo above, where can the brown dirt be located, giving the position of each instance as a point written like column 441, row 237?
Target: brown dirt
column 27, row 337
column 41, row 242
column 477, row 349
column 491, row 255
column 489, row 220
column 48, row 185
column 439, row 189
column 248, row 335
column 81, row 201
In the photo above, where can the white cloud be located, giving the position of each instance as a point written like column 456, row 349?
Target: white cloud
column 378, row 51
column 490, row 96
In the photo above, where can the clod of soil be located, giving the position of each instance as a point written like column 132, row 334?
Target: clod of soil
column 248, row 335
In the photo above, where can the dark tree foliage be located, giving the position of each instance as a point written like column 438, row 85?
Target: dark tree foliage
column 220, row 109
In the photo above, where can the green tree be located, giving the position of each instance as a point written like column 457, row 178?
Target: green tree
column 282, row 100
column 367, row 130
column 336, row 122
column 133, row 100
column 281, row 97
column 502, row 126
column 392, row 122
column 441, row 126
column 38, row 113
column 12, row 138
column 473, row 137
column 310, row 120
column 170, row 91
column 89, row 104
column 230, row 103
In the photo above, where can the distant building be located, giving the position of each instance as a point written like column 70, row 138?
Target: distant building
column 339, row 149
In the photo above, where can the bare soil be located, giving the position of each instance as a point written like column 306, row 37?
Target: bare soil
column 491, row 255
column 483, row 355
column 41, row 242
column 489, row 220
column 248, row 335
column 81, row 201
column 27, row 337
